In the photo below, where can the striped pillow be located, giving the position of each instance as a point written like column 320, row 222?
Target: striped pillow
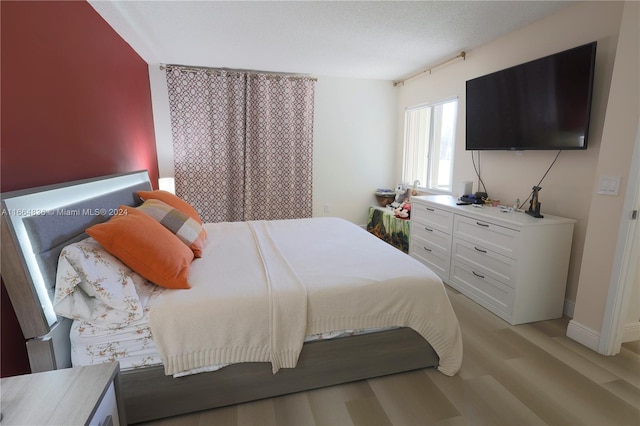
column 188, row 230
column 172, row 200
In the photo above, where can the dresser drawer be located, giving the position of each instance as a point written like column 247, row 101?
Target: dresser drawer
column 433, row 217
column 434, row 259
column 434, row 238
column 490, row 293
column 485, row 261
column 489, row 235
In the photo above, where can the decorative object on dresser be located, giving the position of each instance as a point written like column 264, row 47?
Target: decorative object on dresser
column 534, row 205
column 88, row 395
column 511, row 263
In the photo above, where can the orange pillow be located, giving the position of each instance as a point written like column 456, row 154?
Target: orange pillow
column 173, row 200
column 145, row 246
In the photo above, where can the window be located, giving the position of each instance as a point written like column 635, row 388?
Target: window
column 429, row 141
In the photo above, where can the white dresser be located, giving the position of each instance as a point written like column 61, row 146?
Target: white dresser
column 509, row 262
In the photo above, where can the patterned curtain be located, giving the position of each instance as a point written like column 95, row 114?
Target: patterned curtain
column 279, row 147
column 243, row 143
column 208, row 125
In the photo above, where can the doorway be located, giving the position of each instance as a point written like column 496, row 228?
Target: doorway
column 622, row 311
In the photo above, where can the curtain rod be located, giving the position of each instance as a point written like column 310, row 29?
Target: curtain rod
column 462, row 55
column 211, row 69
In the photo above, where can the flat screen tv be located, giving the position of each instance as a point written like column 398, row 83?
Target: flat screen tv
column 541, row 104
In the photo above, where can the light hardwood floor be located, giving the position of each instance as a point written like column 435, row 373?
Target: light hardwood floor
column 528, row 374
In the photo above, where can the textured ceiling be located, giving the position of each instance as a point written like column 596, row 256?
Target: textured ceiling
column 385, row 40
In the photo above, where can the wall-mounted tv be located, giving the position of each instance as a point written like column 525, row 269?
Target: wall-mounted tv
column 541, row 104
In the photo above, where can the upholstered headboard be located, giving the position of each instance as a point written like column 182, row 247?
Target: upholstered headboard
column 36, row 225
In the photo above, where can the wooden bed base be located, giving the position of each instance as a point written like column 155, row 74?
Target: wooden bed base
column 149, row 394
column 30, row 248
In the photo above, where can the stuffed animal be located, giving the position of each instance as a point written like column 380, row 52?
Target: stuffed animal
column 403, row 211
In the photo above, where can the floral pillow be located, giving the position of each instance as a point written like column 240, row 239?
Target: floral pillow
column 93, row 285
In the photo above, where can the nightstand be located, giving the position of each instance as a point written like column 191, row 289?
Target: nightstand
column 74, row 396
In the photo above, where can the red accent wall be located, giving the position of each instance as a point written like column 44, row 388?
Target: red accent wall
column 76, row 103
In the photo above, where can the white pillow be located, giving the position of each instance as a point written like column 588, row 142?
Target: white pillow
column 93, row 285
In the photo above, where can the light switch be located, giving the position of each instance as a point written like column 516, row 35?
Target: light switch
column 609, row 185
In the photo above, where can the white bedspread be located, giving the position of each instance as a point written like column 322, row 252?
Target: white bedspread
column 260, row 287
column 245, row 304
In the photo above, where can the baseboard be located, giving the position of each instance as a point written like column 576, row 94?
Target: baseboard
column 569, row 307
column 631, row 332
column 583, row 335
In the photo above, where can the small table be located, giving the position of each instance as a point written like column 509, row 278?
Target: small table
column 383, row 223
column 73, row 396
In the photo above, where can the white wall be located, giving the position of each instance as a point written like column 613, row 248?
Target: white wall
column 568, row 188
column 606, row 213
column 354, row 146
column 161, row 120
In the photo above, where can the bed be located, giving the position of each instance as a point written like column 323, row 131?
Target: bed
column 332, row 304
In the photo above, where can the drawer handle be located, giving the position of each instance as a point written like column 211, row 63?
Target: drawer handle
column 427, row 229
column 482, row 224
column 480, row 250
column 478, row 275
column 427, row 249
column 430, row 209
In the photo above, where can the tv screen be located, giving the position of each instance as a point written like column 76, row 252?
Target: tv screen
column 542, row 104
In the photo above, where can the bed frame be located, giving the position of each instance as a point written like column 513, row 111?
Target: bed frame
column 36, row 225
